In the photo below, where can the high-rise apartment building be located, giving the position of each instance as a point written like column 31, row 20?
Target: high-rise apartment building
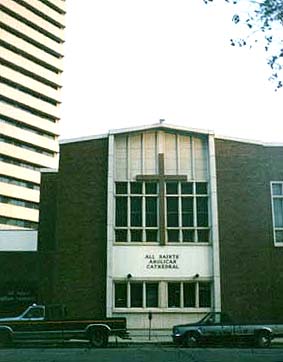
column 31, row 42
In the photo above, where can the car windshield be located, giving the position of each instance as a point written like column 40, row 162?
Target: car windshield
column 215, row 318
column 35, row 312
column 206, row 318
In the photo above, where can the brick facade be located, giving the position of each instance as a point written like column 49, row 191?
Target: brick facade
column 79, row 258
column 251, row 266
column 19, row 281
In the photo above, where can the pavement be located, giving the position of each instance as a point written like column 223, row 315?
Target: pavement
column 146, row 336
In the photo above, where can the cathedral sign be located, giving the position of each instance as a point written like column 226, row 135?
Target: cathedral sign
column 162, row 261
column 180, row 261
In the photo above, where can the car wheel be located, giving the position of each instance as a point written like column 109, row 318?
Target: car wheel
column 263, row 339
column 191, row 340
column 98, row 338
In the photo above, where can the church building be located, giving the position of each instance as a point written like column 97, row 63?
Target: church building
column 165, row 220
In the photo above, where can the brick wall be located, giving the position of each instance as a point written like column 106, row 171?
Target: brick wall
column 251, row 267
column 47, row 242
column 81, row 229
column 274, row 172
column 18, row 282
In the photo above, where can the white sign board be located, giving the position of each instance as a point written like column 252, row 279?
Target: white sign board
column 160, row 261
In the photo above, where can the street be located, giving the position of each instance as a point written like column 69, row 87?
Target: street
column 141, row 353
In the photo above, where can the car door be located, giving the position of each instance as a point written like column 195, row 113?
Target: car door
column 32, row 326
column 28, row 325
column 228, row 329
column 212, row 329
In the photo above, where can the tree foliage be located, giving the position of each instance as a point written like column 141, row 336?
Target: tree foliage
column 263, row 22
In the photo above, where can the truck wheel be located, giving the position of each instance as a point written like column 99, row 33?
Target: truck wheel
column 263, row 339
column 98, row 338
column 191, row 340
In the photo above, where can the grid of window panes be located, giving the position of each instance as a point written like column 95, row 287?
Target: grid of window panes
column 187, row 212
column 136, row 212
column 189, row 294
column 143, row 294
column 136, row 294
column 277, row 204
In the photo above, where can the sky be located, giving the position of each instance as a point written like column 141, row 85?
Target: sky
column 132, row 62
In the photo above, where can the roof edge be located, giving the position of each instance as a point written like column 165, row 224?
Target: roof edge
column 83, row 139
column 160, row 126
column 254, row 142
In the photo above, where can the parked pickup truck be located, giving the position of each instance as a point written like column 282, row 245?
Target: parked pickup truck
column 218, row 327
column 38, row 322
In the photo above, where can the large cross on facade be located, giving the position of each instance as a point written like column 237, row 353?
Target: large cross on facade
column 161, row 178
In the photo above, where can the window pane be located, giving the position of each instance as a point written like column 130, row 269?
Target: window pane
column 202, row 211
column 188, row 236
column 187, row 211
column 136, row 187
column 151, row 235
column 204, row 294
column 172, row 211
column 136, row 235
column 201, row 188
column 203, row 236
column 151, row 294
column 172, row 188
column 279, row 236
column 173, row 236
column 278, row 212
column 174, row 295
column 151, row 188
column 121, row 211
column 121, row 236
column 136, row 211
column 136, row 295
column 187, row 187
column 120, row 295
column 121, row 188
column 277, row 189
column 151, row 211
column 189, row 295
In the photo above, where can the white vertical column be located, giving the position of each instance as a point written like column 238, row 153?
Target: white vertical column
column 178, row 154
column 160, row 143
column 214, row 224
column 193, row 173
column 110, row 226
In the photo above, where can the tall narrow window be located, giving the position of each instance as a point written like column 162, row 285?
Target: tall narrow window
column 174, row 295
column 136, row 295
column 136, row 211
column 202, row 211
column 277, row 207
column 204, row 294
column 187, row 211
column 189, row 295
column 120, row 295
column 151, row 290
column 121, row 211
column 172, row 211
column 151, row 211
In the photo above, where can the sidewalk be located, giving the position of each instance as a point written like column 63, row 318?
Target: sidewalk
column 145, row 337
